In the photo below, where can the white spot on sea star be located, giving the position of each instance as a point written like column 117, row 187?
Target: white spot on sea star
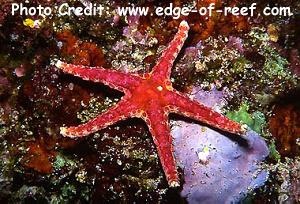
column 159, row 88
column 59, row 64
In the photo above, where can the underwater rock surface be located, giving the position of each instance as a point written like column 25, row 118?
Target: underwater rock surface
column 217, row 169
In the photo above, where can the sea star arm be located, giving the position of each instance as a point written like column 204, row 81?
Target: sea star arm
column 121, row 111
column 157, row 121
column 114, row 79
column 187, row 107
column 164, row 65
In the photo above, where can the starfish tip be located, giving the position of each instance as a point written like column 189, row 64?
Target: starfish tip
column 63, row 131
column 174, row 184
column 59, row 64
column 184, row 24
column 244, row 128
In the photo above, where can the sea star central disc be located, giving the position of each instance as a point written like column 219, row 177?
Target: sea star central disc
column 150, row 97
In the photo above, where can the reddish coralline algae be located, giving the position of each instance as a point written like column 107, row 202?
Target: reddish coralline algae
column 202, row 26
column 4, row 83
column 284, row 124
column 38, row 158
column 150, row 97
column 86, row 53
column 294, row 57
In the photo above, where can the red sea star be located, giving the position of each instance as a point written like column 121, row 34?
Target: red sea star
column 150, row 97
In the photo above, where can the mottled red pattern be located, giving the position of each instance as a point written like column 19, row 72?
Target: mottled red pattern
column 150, row 97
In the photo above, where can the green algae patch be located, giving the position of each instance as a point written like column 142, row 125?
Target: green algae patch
column 255, row 120
column 240, row 65
column 275, row 65
column 62, row 161
column 274, row 154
